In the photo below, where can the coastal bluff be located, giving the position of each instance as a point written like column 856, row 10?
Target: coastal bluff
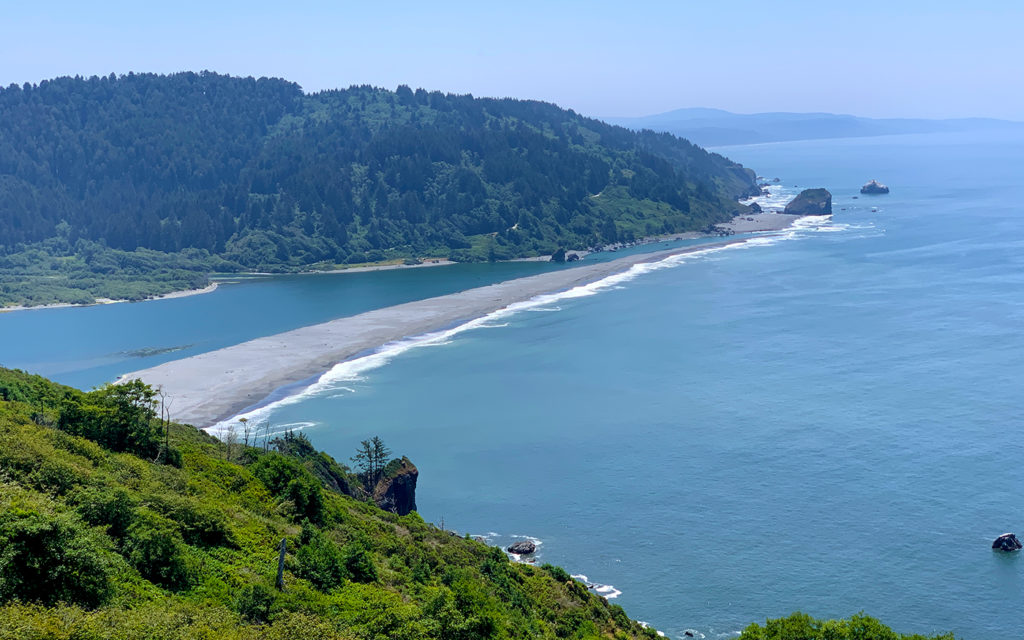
column 811, row 202
column 396, row 491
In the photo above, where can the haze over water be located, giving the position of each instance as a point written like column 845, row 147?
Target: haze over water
column 824, row 420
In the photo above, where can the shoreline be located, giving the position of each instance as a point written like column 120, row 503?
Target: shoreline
column 211, row 387
column 751, row 223
column 210, row 288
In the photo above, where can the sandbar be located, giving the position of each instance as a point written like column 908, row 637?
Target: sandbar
column 211, row 387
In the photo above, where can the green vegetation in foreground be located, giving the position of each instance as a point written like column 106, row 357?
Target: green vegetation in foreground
column 129, row 186
column 800, row 626
column 101, row 541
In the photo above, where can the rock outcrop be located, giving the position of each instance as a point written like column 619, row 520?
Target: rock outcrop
column 396, row 491
column 811, row 202
column 756, row 208
column 1007, row 542
column 521, row 548
column 874, row 187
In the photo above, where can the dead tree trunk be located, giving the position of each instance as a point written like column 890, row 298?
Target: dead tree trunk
column 280, row 565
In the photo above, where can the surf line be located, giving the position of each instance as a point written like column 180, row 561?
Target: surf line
column 355, row 365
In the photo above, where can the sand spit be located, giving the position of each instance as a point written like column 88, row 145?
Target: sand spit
column 211, row 387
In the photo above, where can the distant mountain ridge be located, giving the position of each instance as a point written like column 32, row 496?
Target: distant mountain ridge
column 717, row 127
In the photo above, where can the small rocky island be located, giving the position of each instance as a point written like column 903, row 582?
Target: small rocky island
column 1007, row 542
column 811, row 202
column 522, row 548
column 875, row 188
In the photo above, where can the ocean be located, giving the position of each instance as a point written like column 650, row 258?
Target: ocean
column 824, row 419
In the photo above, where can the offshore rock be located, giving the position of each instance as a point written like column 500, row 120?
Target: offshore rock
column 523, row 547
column 811, row 202
column 1007, row 542
column 396, row 491
column 874, row 187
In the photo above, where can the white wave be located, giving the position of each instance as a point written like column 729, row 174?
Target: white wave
column 776, row 199
column 494, row 326
column 647, row 625
column 353, row 370
column 536, row 541
column 606, row 590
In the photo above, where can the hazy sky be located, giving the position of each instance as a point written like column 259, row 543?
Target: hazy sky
column 897, row 58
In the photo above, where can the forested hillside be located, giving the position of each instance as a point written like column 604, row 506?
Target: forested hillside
column 254, row 174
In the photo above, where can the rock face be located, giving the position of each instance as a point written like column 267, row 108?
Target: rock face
column 874, row 187
column 1007, row 542
column 811, row 202
column 396, row 491
column 756, row 208
column 521, row 548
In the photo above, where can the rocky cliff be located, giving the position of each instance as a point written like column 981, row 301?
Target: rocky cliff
column 396, row 491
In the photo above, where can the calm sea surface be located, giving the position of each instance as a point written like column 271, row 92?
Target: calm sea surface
column 827, row 420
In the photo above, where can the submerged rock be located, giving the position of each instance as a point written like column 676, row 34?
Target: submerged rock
column 523, row 547
column 396, row 491
column 1007, row 542
column 874, row 187
column 811, row 202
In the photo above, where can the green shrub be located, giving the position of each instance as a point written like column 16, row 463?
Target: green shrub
column 155, row 548
column 111, row 508
column 800, row 626
column 287, row 479
column 359, row 562
column 255, row 602
column 56, row 476
column 198, row 523
column 320, row 560
column 51, row 558
column 558, row 573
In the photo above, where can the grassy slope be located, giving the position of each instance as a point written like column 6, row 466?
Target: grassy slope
column 430, row 584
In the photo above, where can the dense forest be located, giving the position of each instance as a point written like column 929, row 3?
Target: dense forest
column 242, row 174
column 116, row 524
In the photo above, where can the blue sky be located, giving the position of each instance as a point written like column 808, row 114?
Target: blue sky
column 896, row 58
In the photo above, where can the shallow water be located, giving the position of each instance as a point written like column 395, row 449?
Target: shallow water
column 825, row 420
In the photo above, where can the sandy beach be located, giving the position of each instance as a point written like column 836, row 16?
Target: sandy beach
column 210, row 288
column 211, row 387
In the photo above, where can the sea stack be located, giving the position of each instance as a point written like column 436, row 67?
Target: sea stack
column 875, row 188
column 522, row 548
column 811, row 202
column 1007, row 542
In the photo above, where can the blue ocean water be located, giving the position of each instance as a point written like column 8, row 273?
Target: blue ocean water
column 824, row 420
